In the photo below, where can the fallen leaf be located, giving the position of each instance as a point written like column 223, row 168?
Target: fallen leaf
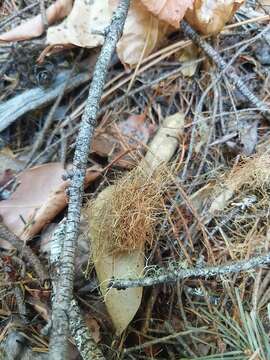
column 39, row 197
column 189, row 54
column 123, row 305
column 34, row 27
column 93, row 326
column 210, row 16
column 142, row 34
column 171, row 11
column 84, row 26
column 87, row 21
column 113, row 140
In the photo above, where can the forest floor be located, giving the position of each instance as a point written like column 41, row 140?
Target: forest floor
column 196, row 228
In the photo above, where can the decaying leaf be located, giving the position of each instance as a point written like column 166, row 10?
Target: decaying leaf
column 34, row 27
column 123, row 141
column 93, row 326
column 165, row 142
column 84, row 26
column 142, row 33
column 87, row 21
column 116, row 215
column 189, row 54
column 39, row 197
column 210, row 16
column 171, row 11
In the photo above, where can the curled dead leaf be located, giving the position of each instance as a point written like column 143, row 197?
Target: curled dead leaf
column 34, row 27
column 84, row 26
column 39, row 197
column 142, row 34
column 210, row 16
column 122, row 143
column 171, row 11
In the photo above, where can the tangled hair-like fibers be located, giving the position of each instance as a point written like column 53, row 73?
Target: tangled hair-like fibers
column 254, row 172
column 125, row 215
column 244, row 220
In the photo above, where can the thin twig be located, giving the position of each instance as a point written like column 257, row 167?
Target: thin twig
column 20, row 303
column 222, row 65
column 169, row 276
column 43, row 14
column 24, row 250
column 64, row 294
column 155, row 81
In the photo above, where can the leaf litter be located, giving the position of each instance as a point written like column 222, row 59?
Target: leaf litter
column 213, row 213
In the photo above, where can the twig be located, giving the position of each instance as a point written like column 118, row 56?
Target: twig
column 155, row 81
column 24, row 250
column 20, row 303
column 80, row 333
column 63, row 296
column 43, row 14
column 222, row 65
column 169, row 276
column 162, row 340
column 37, row 97
column 78, row 329
column 19, row 13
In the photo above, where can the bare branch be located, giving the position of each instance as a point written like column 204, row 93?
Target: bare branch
column 176, row 274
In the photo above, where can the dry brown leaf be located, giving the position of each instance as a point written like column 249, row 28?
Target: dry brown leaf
column 210, row 16
column 127, row 136
column 39, row 197
column 171, row 11
column 93, row 326
column 142, row 34
column 34, row 27
column 84, row 25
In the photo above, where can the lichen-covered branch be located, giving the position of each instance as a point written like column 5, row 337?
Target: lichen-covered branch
column 63, row 296
column 81, row 335
column 223, row 66
column 78, row 329
column 162, row 276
